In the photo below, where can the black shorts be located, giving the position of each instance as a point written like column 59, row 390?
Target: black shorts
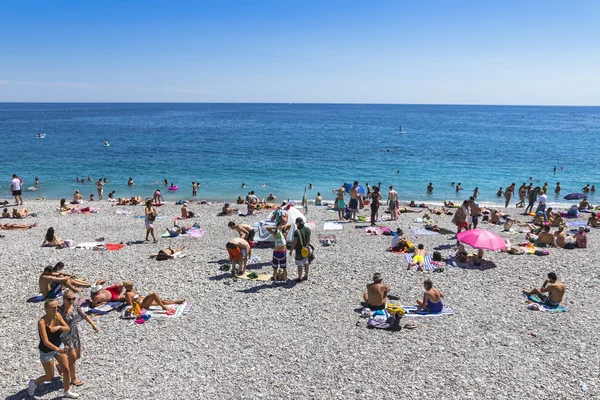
column 16, row 192
column 375, row 308
column 250, row 236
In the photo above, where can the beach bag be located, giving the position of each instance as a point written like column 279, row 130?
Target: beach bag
column 541, row 252
column 306, row 251
column 437, row 256
column 191, row 214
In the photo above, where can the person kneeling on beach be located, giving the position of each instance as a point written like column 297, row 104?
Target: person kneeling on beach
column 377, row 293
column 279, row 251
column 419, row 258
column 551, row 292
column 432, row 299
column 102, row 296
column 238, row 250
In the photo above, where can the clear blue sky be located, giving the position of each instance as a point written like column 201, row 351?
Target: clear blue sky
column 430, row 51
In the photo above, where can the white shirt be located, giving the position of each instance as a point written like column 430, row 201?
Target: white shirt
column 395, row 240
column 16, row 184
column 543, row 199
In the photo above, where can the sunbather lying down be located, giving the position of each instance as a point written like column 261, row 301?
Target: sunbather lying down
column 16, row 227
column 168, row 253
column 153, row 299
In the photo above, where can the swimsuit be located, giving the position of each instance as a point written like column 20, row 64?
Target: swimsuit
column 354, row 204
column 376, row 308
column 341, row 204
column 418, row 258
column 114, row 291
column 434, row 307
column 279, row 259
column 547, row 301
column 234, row 253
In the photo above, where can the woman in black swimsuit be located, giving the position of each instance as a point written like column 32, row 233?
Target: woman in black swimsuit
column 375, row 197
column 50, row 328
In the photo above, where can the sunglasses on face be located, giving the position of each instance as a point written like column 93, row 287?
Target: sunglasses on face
column 70, row 298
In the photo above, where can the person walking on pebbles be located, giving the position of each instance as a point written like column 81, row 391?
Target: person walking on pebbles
column 150, row 216
column 50, row 329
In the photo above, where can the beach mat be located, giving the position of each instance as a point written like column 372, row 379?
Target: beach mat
column 577, row 223
column 261, row 277
column 332, row 226
column 180, row 311
column 327, row 236
column 423, row 232
column 544, row 307
column 104, row 308
column 427, row 265
column 114, row 246
column 194, row 232
column 445, row 311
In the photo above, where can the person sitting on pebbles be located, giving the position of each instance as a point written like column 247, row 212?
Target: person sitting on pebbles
column 419, row 258
column 594, row 220
column 51, row 239
column 544, row 239
column 552, row 291
column 52, row 280
column 377, row 293
column 226, row 210
column 432, row 299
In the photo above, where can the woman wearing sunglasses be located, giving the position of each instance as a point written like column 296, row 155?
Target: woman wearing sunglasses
column 50, row 329
column 73, row 315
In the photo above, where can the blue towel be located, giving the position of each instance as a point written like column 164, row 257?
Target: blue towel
column 546, row 307
column 54, row 293
column 115, row 305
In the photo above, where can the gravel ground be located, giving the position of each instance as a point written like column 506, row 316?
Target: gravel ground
column 248, row 339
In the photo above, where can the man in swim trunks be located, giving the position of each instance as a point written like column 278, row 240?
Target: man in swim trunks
column 279, row 251
column 52, row 281
column 551, row 292
column 461, row 217
column 430, row 188
column 15, row 185
column 340, row 203
column 474, row 211
column 377, row 293
column 393, row 203
column 238, row 250
column 353, row 201
column 100, row 187
column 418, row 258
column 102, row 296
column 544, row 239
column 432, row 299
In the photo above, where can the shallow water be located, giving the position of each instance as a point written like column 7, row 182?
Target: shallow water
column 287, row 146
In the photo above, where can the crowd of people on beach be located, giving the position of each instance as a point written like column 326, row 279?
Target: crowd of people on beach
column 60, row 342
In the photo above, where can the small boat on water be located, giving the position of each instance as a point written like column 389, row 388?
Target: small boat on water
column 40, row 136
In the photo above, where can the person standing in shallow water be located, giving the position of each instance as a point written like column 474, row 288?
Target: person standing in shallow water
column 508, row 194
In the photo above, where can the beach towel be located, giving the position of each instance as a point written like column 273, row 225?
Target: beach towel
column 180, row 311
column 445, row 311
column 124, row 212
column 194, row 232
column 327, row 236
column 372, row 231
column 54, row 293
column 566, row 215
column 89, row 245
column 114, row 246
column 261, row 277
column 332, row 226
column 576, row 223
column 427, row 265
column 104, row 308
column 423, row 232
column 544, row 307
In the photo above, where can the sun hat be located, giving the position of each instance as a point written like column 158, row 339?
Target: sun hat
column 96, row 288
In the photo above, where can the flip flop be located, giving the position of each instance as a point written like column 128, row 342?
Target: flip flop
column 410, row 326
column 79, row 383
column 171, row 311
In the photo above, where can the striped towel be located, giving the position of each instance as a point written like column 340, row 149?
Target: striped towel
column 180, row 311
column 428, row 265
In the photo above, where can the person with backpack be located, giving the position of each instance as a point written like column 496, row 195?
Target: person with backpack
column 301, row 245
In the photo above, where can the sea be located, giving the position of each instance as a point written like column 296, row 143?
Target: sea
column 282, row 148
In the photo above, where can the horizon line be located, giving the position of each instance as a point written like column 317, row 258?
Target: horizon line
column 298, row 103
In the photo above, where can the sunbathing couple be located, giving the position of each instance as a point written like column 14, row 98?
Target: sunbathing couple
column 115, row 293
column 16, row 213
column 53, row 281
column 377, row 296
column 133, row 201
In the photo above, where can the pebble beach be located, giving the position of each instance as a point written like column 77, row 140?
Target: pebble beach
column 245, row 339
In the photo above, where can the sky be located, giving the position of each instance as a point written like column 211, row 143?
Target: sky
column 408, row 52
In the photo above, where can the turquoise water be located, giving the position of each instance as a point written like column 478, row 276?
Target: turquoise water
column 287, row 146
